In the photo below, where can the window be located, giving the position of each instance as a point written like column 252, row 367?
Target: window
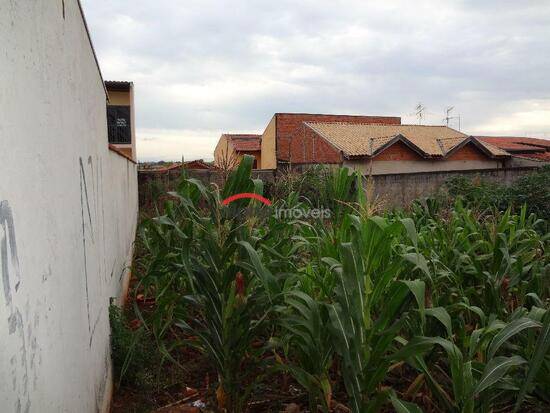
column 118, row 124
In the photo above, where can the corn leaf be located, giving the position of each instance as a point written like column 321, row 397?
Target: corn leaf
column 495, row 369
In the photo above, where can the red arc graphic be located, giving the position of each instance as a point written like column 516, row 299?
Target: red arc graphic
column 245, row 195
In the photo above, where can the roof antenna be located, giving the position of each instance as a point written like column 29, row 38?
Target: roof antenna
column 420, row 108
column 448, row 116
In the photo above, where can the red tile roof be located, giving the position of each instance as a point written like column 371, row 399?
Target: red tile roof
column 521, row 147
column 194, row 164
column 540, row 156
column 245, row 142
column 517, row 144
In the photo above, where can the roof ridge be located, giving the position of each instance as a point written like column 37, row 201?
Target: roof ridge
column 509, row 137
column 242, row 134
column 242, row 137
column 348, row 123
column 440, row 144
column 379, row 124
column 427, row 126
column 336, row 114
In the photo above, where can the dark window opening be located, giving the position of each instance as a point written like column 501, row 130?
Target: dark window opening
column 118, row 124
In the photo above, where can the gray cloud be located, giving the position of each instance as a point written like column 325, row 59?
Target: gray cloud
column 202, row 67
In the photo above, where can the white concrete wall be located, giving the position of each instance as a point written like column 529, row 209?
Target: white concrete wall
column 68, row 210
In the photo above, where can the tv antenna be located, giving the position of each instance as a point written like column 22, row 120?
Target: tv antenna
column 420, row 109
column 448, row 117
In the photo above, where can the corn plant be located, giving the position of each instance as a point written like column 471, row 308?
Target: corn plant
column 487, row 260
column 479, row 378
column 308, row 347
column 367, row 312
column 457, row 296
column 223, row 305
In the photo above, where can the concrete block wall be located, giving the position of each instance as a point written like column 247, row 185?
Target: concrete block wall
column 68, row 212
column 400, row 190
column 393, row 190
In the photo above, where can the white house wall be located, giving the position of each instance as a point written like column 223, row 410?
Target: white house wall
column 68, row 210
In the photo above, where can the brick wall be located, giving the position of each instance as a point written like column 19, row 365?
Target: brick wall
column 307, row 146
column 468, row 153
column 287, row 128
column 398, row 152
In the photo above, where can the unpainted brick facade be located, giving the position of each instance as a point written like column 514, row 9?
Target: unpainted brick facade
column 291, row 141
column 398, row 152
column 307, row 146
column 288, row 140
column 468, row 153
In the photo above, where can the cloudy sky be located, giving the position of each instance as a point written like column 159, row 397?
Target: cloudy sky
column 205, row 67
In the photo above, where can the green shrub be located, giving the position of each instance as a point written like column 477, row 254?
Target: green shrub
column 532, row 190
column 134, row 353
column 479, row 193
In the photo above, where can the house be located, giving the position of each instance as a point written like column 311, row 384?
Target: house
column 282, row 141
column 120, row 117
column 377, row 149
column 232, row 147
column 371, row 144
column 197, row 164
column 524, row 151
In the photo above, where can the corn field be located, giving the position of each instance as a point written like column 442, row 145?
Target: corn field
column 437, row 309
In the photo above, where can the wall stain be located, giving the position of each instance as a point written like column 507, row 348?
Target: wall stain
column 47, row 274
column 114, row 266
column 122, row 272
column 84, row 193
column 15, row 319
column 85, row 186
column 100, row 390
column 94, row 183
column 93, row 329
column 6, row 221
column 100, row 162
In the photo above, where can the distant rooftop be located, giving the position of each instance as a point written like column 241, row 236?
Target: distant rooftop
column 521, row 146
column 518, row 143
column 118, row 85
column 245, row 142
